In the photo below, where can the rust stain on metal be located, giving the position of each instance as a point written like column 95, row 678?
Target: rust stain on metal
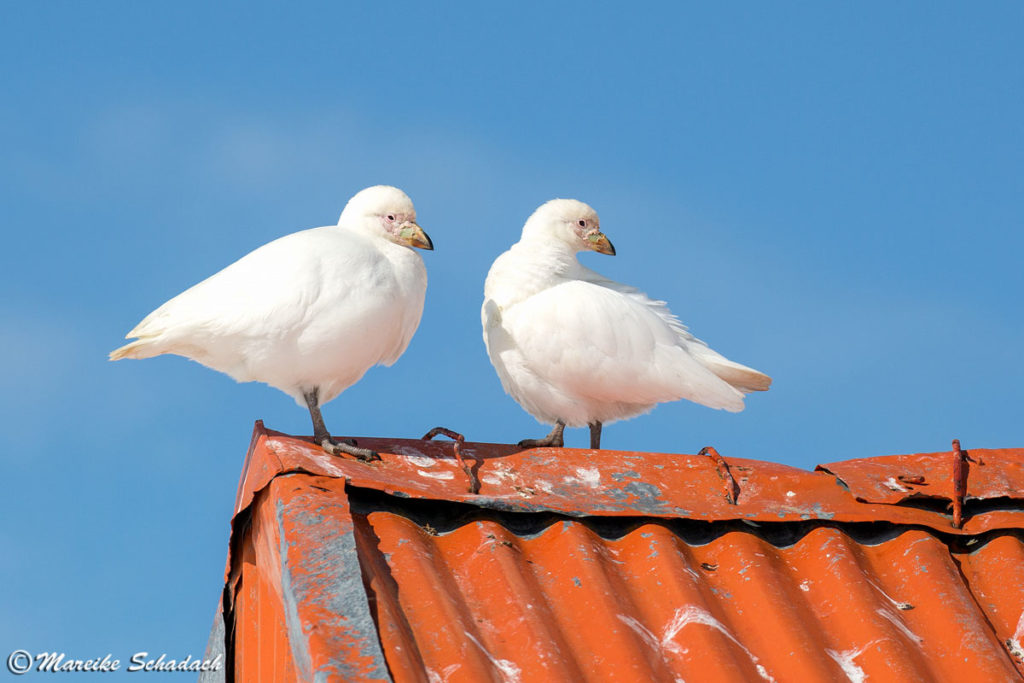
column 474, row 481
column 729, row 485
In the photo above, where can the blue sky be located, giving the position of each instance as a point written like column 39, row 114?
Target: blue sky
column 831, row 193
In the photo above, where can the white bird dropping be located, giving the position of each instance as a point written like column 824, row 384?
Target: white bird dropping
column 574, row 348
column 308, row 313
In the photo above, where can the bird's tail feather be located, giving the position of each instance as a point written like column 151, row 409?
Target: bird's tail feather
column 740, row 376
column 140, row 348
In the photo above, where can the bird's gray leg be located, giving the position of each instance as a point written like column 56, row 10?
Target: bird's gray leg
column 595, row 435
column 552, row 439
column 322, row 437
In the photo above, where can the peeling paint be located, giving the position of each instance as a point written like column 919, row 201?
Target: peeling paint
column 510, row 673
column 894, row 485
column 691, row 614
column 1016, row 644
column 587, row 476
column 415, row 457
column 436, row 475
column 895, row 620
column 845, row 661
column 642, row 631
column 444, row 676
column 898, row 604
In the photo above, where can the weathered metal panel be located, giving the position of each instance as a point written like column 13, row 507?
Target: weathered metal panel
column 990, row 473
column 598, row 565
column 584, row 482
column 569, row 604
column 302, row 611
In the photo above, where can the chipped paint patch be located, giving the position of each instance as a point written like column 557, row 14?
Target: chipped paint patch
column 642, row 631
column 845, row 661
column 896, row 603
column 691, row 614
column 444, row 676
column 1014, row 644
column 510, row 673
column 895, row 620
column 894, row 485
column 588, row 476
column 436, row 475
column 414, row 456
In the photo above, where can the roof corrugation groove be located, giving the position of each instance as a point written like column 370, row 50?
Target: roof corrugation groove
column 341, row 577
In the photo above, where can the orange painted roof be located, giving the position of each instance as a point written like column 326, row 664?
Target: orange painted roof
column 574, row 564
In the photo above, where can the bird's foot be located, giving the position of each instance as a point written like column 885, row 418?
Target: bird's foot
column 552, row 440
column 541, row 443
column 341, row 447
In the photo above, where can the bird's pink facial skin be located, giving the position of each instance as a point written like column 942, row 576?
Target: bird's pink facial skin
column 403, row 229
column 589, row 232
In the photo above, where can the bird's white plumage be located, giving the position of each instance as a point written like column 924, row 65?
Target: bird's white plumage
column 314, row 309
column 573, row 346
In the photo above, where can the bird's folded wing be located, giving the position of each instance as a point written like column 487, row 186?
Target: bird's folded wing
column 270, row 290
column 613, row 346
column 740, row 376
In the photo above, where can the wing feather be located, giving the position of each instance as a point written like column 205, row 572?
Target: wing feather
column 610, row 345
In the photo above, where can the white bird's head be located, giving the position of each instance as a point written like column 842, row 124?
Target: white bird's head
column 388, row 212
column 569, row 222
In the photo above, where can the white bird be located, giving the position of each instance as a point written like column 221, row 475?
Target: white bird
column 574, row 348
column 308, row 313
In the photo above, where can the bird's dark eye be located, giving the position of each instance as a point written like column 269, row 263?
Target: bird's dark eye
column 582, row 223
column 390, row 217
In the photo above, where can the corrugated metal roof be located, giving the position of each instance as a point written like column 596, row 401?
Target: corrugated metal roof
column 576, row 564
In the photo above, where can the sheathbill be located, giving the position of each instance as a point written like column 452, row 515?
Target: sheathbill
column 308, row 313
column 574, row 348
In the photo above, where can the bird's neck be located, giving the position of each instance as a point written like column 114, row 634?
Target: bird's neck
column 546, row 256
column 526, row 269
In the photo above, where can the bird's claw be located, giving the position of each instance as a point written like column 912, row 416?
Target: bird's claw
column 541, row 443
column 341, row 447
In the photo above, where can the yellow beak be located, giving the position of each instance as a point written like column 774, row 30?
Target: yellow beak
column 600, row 243
column 413, row 235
